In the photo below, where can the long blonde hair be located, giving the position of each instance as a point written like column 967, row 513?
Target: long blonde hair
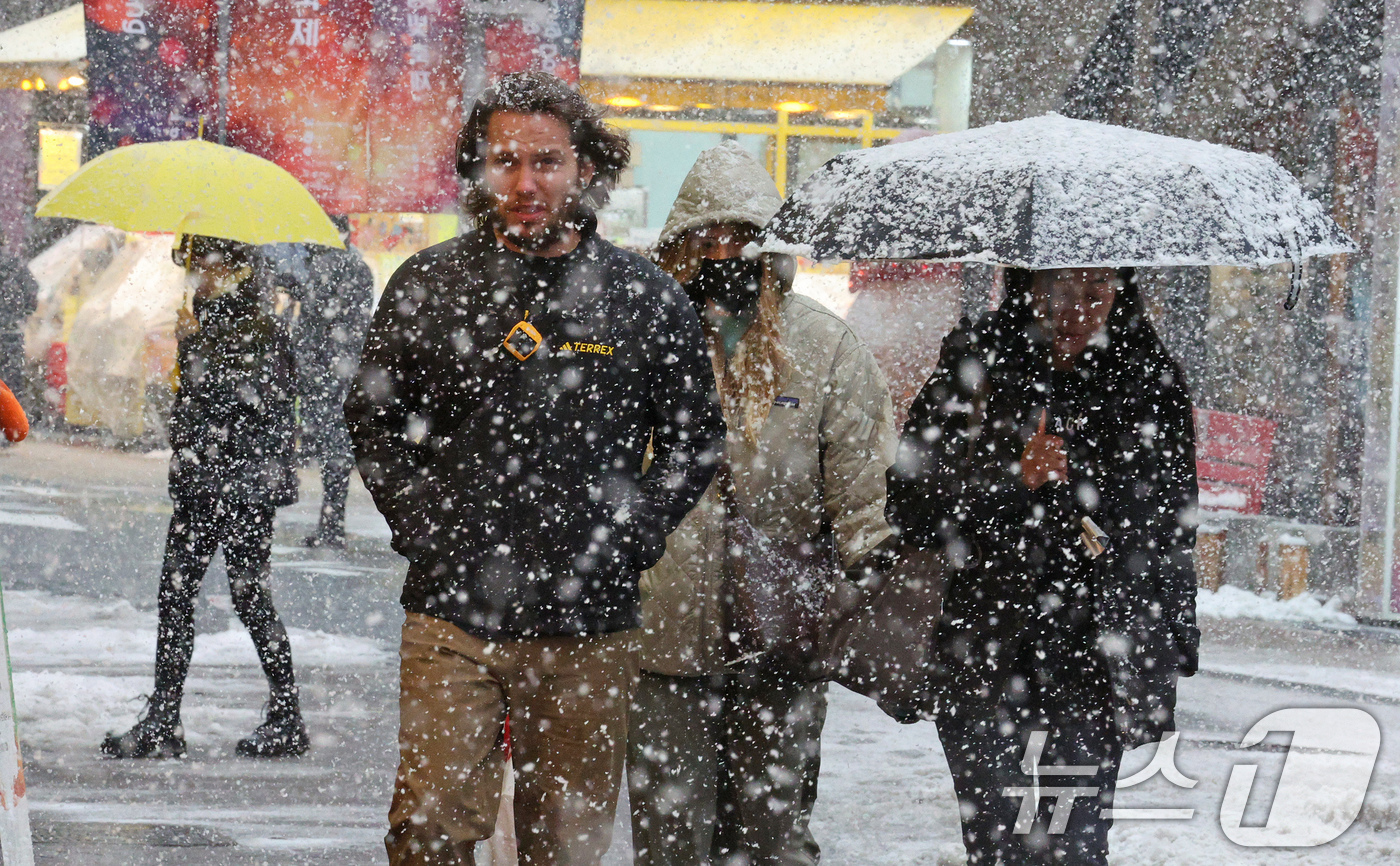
column 748, row 381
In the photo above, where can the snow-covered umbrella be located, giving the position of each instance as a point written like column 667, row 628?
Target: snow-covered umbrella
column 1051, row 192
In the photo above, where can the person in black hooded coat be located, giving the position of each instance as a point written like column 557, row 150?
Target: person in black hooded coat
column 1061, row 405
column 232, row 437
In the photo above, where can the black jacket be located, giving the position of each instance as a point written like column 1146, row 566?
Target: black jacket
column 515, row 488
column 233, row 426
column 1126, row 417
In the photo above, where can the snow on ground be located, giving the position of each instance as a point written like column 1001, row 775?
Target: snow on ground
column 309, row 649
column 1382, row 684
column 52, row 630
column 882, row 781
column 885, row 794
column 65, row 710
column 886, row 799
column 44, row 610
column 268, row 825
column 58, row 708
column 1231, row 602
column 60, row 646
column 1200, row 841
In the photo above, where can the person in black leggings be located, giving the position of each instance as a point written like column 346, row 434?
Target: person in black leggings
column 232, row 435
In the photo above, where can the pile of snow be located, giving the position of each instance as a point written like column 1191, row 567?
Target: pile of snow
column 1232, row 499
column 67, row 647
column 43, row 610
column 58, row 708
column 33, row 648
column 1231, row 602
column 64, row 710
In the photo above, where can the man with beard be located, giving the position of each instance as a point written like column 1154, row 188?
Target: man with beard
column 512, row 381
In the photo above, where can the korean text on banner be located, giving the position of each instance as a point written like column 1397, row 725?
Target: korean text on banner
column 359, row 99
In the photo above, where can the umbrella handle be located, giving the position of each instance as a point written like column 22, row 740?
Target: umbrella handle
column 1295, row 283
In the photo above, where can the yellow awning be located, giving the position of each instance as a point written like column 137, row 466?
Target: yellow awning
column 761, row 42
column 57, row 39
column 53, row 47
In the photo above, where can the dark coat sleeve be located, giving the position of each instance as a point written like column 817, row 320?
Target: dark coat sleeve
column 688, row 428
column 377, row 412
column 955, row 476
column 1176, row 580
column 357, row 302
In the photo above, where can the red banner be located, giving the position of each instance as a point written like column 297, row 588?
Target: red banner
column 416, row 104
column 359, row 99
column 533, row 35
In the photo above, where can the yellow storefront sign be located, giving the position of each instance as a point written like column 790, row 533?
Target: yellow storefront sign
column 60, row 155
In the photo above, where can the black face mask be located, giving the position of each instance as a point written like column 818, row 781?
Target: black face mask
column 733, row 284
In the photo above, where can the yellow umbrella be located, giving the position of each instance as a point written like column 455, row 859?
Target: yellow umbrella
column 193, row 187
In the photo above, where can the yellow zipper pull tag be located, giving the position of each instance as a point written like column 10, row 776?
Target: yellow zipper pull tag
column 523, row 339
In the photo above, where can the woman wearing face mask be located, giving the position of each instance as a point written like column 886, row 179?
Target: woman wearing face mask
column 1060, row 406
column 232, row 432
column 723, row 754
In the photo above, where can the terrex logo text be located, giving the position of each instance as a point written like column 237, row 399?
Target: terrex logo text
column 595, row 348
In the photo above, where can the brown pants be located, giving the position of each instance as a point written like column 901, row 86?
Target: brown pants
column 567, row 699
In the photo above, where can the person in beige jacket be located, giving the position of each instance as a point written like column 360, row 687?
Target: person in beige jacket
column 723, row 756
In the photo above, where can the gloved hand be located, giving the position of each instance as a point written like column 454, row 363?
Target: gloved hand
column 1044, row 458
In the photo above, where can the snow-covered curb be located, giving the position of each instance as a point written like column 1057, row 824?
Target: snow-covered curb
column 1231, row 602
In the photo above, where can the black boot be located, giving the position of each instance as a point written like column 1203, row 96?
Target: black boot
column 158, row 734
column 283, row 735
